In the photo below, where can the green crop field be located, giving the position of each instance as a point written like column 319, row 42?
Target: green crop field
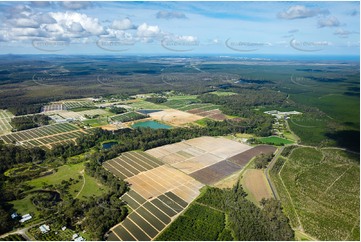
column 141, row 104
column 319, row 190
column 275, row 140
column 126, row 117
column 311, row 130
column 191, row 225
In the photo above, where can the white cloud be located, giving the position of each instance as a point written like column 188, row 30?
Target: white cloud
column 329, row 22
column 300, row 11
column 148, row 33
column 90, row 25
column 123, row 24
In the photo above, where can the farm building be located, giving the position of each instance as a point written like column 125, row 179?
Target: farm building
column 25, row 218
column 44, row 228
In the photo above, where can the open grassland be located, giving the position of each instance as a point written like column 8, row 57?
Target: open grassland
column 86, row 187
column 319, row 189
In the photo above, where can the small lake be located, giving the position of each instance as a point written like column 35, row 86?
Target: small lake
column 108, row 145
column 151, row 124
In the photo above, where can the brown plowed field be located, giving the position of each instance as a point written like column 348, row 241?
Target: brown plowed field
column 243, row 158
column 216, row 172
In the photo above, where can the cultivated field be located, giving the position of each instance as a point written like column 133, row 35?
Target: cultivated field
column 243, row 158
column 5, row 118
column 320, row 192
column 208, row 159
column 126, row 117
column 131, row 163
column 53, row 107
column 215, row 114
column 77, row 104
column 158, row 193
column 45, row 136
column 255, row 184
column 175, row 117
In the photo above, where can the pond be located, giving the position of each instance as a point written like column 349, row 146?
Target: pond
column 108, row 145
column 151, row 124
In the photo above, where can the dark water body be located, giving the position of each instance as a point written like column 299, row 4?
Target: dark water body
column 108, row 145
column 151, row 124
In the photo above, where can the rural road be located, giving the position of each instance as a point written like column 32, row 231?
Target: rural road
column 22, row 231
column 269, row 167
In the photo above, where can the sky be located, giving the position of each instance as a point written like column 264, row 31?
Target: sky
column 177, row 28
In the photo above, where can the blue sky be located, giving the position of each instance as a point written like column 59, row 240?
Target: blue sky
column 294, row 28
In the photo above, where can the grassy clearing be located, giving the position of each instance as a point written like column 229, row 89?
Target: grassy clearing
column 319, row 190
column 275, row 140
column 74, row 171
column 25, row 206
column 96, row 122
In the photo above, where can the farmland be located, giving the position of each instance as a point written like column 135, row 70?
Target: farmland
column 255, row 184
column 127, row 117
column 175, row 117
column 169, row 178
column 45, row 136
column 5, row 118
column 191, row 225
column 318, row 187
column 325, row 201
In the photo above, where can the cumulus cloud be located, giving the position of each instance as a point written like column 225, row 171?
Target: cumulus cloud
column 90, row 25
column 300, row 11
column 76, row 5
column 123, row 24
column 170, row 15
column 148, row 33
column 329, row 22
